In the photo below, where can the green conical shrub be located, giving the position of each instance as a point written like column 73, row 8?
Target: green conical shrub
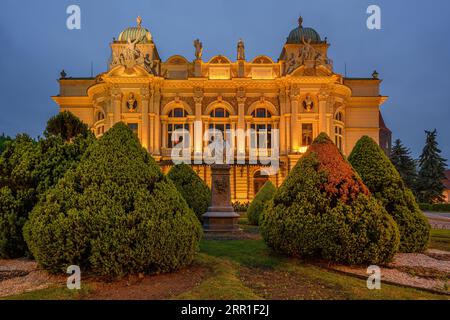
column 113, row 214
column 27, row 170
column 386, row 184
column 323, row 210
column 196, row 193
column 257, row 205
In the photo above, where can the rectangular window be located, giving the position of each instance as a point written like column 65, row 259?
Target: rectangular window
column 307, row 134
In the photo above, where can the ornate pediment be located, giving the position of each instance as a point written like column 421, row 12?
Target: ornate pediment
column 122, row 71
column 311, row 71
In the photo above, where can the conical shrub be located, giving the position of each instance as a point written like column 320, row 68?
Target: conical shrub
column 196, row 193
column 113, row 214
column 256, row 207
column 323, row 210
column 386, row 184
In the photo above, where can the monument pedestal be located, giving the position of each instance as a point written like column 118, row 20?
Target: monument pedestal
column 220, row 217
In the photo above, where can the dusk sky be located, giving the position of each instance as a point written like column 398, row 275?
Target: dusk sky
column 411, row 52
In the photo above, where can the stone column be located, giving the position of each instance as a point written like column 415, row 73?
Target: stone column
column 145, row 96
column 241, row 97
column 198, row 132
column 287, row 118
column 282, row 126
column 152, row 133
column 157, row 130
column 116, row 104
column 163, row 132
column 294, row 116
column 323, row 98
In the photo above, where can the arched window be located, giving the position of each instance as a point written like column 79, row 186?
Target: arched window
column 177, row 113
column 339, row 130
column 100, row 131
column 261, row 113
column 339, row 137
column 220, row 122
column 219, row 113
column 177, row 121
column 100, row 116
column 262, row 129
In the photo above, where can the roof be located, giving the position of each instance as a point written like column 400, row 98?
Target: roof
column 382, row 123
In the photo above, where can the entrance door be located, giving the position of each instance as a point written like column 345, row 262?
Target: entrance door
column 258, row 181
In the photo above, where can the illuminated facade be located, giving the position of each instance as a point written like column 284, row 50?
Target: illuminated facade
column 299, row 95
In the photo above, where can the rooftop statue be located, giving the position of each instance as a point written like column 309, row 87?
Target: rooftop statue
column 240, row 50
column 198, row 49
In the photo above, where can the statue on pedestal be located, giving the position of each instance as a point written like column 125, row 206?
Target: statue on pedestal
column 198, row 49
column 240, row 50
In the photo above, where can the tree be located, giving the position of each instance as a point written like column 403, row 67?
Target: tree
column 386, row 184
column 431, row 172
column 404, row 163
column 196, row 193
column 3, row 140
column 114, row 213
column 256, row 207
column 27, row 169
column 67, row 126
column 323, row 210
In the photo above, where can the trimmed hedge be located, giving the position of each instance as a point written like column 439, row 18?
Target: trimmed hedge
column 386, row 184
column 257, row 205
column 196, row 193
column 114, row 214
column 435, row 207
column 323, row 210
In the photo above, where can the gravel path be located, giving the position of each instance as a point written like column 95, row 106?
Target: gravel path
column 22, row 275
column 422, row 271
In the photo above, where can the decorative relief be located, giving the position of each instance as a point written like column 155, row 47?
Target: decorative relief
column 145, row 93
column 308, row 104
column 308, row 57
column 116, row 93
column 198, row 94
column 241, row 95
column 132, row 103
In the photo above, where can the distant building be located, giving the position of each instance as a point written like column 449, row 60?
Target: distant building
column 300, row 95
column 385, row 137
column 446, row 182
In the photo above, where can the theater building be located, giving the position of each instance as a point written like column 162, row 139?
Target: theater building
column 299, row 95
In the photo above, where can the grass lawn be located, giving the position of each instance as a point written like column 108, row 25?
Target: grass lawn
column 440, row 239
column 248, row 269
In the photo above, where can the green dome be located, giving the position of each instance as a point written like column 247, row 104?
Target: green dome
column 134, row 33
column 296, row 35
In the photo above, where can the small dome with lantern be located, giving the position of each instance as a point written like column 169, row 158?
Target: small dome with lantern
column 139, row 33
column 298, row 34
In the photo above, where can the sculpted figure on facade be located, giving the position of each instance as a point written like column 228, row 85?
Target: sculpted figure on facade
column 308, row 104
column 198, row 49
column 240, row 50
column 131, row 102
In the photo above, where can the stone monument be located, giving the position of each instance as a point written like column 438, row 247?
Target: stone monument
column 220, row 217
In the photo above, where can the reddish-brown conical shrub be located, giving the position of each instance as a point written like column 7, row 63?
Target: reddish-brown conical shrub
column 323, row 210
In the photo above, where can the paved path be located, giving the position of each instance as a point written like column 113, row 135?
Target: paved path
column 438, row 220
